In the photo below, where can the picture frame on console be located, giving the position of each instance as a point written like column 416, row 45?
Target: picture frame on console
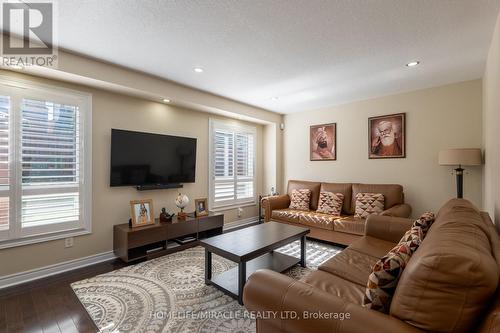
column 201, row 207
column 323, row 142
column 142, row 213
column 387, row 136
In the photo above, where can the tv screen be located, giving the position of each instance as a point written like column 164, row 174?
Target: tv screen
column 151, row 159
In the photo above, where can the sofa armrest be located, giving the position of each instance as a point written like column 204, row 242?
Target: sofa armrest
column 274, row 202
column 292, row 303
column 387, row 227
column 401, row 210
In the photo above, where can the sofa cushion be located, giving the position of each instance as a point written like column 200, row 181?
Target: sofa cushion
column 289, row 215
column 330, row 203
column 345, row 189
column 372, row 246
column 369, row 203
column 350, row 265
column 348, row 291
column 350, row 225
column 393, row 194
column 300, row 184
column 300, row 199
column 317, row 220
column 384, row 278
column 452, row 276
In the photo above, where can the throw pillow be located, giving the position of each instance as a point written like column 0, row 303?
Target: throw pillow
column 384, row 278
column 330, row 203
column 369, row 203
column 425, row 221
column 419, row 229
column 299, row 199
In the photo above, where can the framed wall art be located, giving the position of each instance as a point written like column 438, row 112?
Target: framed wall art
column 323, row 142
column 386, row 136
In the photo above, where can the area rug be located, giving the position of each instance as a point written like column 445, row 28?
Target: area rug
column 168, row 294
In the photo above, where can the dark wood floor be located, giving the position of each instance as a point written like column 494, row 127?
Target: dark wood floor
column 49, row 305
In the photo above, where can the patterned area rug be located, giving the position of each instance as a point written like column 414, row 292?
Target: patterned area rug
column 168, row 294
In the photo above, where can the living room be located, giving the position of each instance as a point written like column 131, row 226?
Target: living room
column 268, row 127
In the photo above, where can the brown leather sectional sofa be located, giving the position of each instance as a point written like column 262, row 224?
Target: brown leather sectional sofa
column 342, row 229
column 451, row 283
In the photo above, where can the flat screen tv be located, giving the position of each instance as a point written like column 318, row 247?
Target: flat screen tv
column 143, row 159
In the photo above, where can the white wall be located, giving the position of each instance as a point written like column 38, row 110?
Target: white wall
column 437, row 118
column 491, row 121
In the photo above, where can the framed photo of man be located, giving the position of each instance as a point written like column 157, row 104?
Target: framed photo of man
column 142, row 212
column 323, row 142
column 386, row 136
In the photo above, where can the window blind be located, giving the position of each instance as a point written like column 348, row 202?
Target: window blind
column 232, row 166
column 4, row 161
column 45, row 163
column 49, row 137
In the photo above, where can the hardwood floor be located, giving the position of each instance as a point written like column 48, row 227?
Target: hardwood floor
column 49, row 305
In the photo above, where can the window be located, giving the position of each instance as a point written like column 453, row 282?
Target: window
column 232, row 164
column 45, row 163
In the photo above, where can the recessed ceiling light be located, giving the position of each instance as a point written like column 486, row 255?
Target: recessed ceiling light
column 412, row 63
column 166, row 100
column 198, row 69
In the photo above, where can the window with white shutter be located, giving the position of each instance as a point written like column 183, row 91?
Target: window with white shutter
column 232, row 164
column 45, row 163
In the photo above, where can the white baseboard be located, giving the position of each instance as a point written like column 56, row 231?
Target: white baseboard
column 240, row 223
column 42, row 272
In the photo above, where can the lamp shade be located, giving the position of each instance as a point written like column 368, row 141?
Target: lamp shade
column 461, row 156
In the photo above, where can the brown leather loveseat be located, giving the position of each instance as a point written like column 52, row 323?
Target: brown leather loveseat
column 449, row 285
column 342, row 229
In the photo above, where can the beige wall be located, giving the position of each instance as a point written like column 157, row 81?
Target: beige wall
column 491, row 123
column 437, row 118
column 111, row 205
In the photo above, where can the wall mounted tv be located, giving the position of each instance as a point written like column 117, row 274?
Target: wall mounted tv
column 149, row 161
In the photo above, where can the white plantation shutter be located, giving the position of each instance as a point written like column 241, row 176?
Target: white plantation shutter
column 50, row 160
column 45, row 163
column 232, row 164
column 224, row 166
column 4, row 162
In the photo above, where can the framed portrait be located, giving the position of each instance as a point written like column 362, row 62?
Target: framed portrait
column 386, row 136
column 142, row 212
column 201, row 206
column 323, row 142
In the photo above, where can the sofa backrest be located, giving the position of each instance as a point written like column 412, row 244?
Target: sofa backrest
column 451, row 279
column 313, row 186
column 345, row 189
column 393, row 194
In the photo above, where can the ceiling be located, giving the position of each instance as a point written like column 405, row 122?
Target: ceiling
column 309, row 54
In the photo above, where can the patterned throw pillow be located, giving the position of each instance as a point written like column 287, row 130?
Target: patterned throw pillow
column 369, row 203
column 300, row 199
column 384, row 278
column 418, row 230
column 330, row 203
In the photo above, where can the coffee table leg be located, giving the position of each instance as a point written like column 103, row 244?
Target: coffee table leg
column 303, row 251
column 208, row 266
column 242, row 279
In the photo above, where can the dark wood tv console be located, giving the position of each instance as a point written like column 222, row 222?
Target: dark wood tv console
column 131, row 244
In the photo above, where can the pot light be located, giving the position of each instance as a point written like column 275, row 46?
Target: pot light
column 412, row 63
column 166, row 100
column 198, row 69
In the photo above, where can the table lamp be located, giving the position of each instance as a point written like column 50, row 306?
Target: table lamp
column 460, row 157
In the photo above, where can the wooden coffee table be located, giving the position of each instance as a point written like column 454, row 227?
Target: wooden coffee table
column 252, row 248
